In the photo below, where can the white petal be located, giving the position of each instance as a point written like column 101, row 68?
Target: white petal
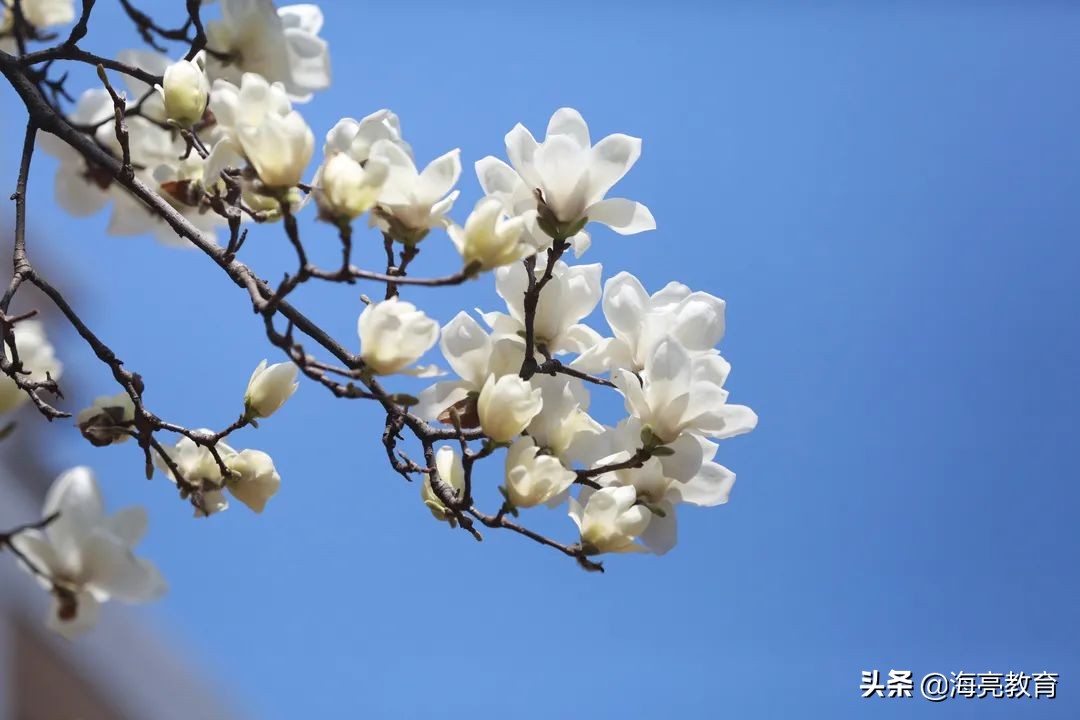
column 711, row 486
column 610, row 160
column 496, row 177
column 467, row 348
column 568, row 121
column 521, row 149
column 38, row 551
column 75, row 495
column 128, row 525
column 439, row 177
column 661, row 533
column 625, row 303
column 309, row 63
column 306, row 16
column 438, row 397
column 76, row 194
column 625, row 217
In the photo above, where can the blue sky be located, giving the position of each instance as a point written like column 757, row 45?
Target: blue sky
column 885, row 195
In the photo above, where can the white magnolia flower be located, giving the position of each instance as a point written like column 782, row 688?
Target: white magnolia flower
column 639, row 321
column 355, row 138
column 36, row 356
column 474, row 355
column 451, row 472
column 489, row 238
column 269, row 388
column 677, row 392
column 413, row 202
column 608, row 520
column 506, row 406
column 86, row 555
column 199, row 469
column 660, row 490
column 572, row 175
column 572, row 294
column 185, row 92
column 394, row 335
column 533, row 478
column 108, row 420
column 345, row 189
column 254, row 480
column 259, row 124
column 39, row 13
column 281, row 44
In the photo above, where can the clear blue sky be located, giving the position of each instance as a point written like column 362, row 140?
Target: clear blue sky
column 887, row 197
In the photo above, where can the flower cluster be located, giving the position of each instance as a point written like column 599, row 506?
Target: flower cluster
column 219, row 136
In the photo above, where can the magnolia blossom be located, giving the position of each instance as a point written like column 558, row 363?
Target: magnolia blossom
column 394, row 335
column 200, row 470
column 451, row 472
column 85, row 557
column 506, row 406
column 533, row 478
column 571, row 175
column 281, row 44
column 36, row 356
column 608, row 520
column 269, row 388
column 413, row 202
column 259, row 124
column 108, row 420
column 571, row 295
column 254, row 479
column 185, row 92
column 474, row 355
column 639, row 321
column 677, row 392
column 489, row 238
column 345, row 189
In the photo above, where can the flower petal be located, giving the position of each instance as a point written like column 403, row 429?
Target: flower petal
column 568, row 121
column 625, row 217
column 610, row 160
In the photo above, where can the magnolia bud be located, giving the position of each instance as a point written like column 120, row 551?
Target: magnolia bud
column 185, row 91
column 269, row 388
column 393, row 335
column 254, row 478
column 108, row 420
column 610, row 521
column 451, row 472
column 506, row 406
column 280, row 149
column 347, row 189
column 531, row 478
column 488, row 238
